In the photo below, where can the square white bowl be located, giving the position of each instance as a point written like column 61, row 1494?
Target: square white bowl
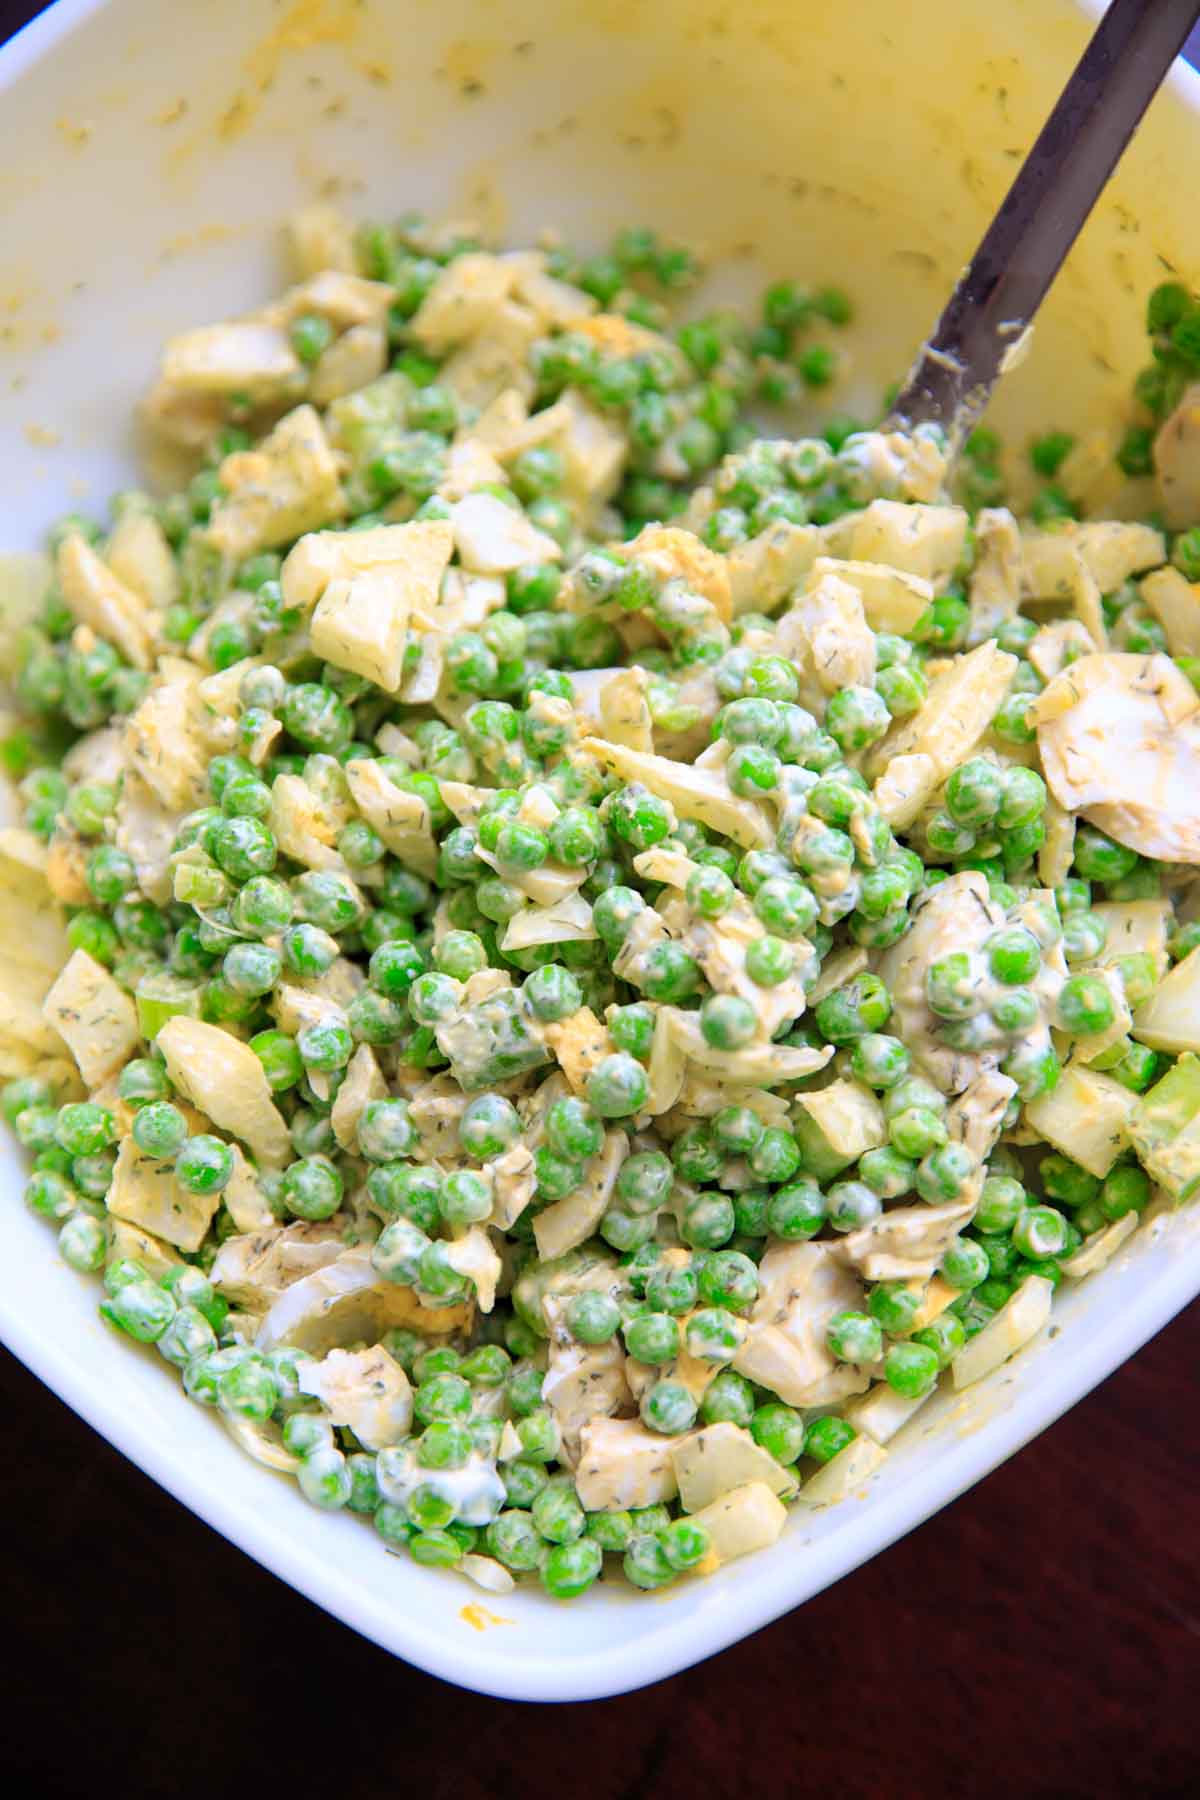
column 152, row 152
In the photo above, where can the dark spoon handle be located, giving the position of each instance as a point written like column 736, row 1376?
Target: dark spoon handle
column 1057, row 186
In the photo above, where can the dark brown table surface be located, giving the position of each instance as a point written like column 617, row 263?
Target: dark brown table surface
column 1040, row 1638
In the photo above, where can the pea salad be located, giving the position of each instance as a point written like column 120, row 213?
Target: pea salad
column 567, row 962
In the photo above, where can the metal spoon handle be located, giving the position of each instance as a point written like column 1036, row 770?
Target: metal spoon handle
column 1057, row 186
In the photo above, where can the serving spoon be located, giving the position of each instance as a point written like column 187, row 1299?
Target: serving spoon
column 990, row 310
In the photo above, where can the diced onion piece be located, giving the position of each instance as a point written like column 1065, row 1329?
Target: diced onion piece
column 846, row 1472
column 718, row 1458
column 1100, row 1247
column 746, row 1519
column 1015, row 1325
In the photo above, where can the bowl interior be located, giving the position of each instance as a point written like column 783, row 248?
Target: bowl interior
column 862, row 145
column 149, row 167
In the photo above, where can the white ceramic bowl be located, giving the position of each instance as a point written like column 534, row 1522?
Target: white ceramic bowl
column 150, row 154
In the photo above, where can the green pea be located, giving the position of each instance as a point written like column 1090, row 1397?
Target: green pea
column 553, row 993
column 1001, row 1202
column 854, row 1337
column 786, row 907
column 523, row 1480
column 952, row 986
column 1011, row 722
column 31, row 1091
column 83, row 1128
column 617, row 1087
column 569, row 1569
column 964, row 1263
column 851, row 1204
column 1040, row 1231
column 862, row 1006
column 639, row 817
column 327, row 899
column 632, row 1029
column 539, row 1433
column 557, row 1514
column 796, row 1212
column 280, row 1058
column 1035, row 1070
column 324, row 1480
column 443, row 1396
column 489, row 1126
column 556, row 1175
column 326, row 1045
column 728, row 1398
column 646, row 1563
column 776, row 1156
column 714, row 1335
column 514, row 1541
column 752, row 770
column 1014, row 955
column 856, row 717
column 769, row 961
column 160, row 1129
column 109, row 874
column 945, row 1336
column 592, row 1317
column 974, row 792
column 878, row 1060
column 1126, row 1189
column 1085, row 1005
column 737, row 1130
column 576, row 837
column 653, row 1337
column 827, row 1437
column 1066, row 1181
column 887, row 1172
column 1016, row 1011
column 311, row 1189
column 707, row 1221
column 727, row 1022
column 140, row 1309
column 1099, row 858
column 882, row 898
column 779, row 1430
column 385, row 1131
column 903, row 688
column 944, row 1172
column 686, row 1542
column 83, row 1243
column 466, row 1199
column 1084, row 935
column 911, row 1369
column 894, row 1305
column 825, row 853
column 49, row 1194
column 709, row 892
column 248, row 1390
column 35, row 1127
column 916, row 1131
column 645, row 1180
column 670, row 974
column 626, row 1231
column 668, row 1407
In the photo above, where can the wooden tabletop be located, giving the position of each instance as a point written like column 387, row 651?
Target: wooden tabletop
column 1041, row 1638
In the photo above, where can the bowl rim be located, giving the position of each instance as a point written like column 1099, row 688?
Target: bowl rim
column 41, row 34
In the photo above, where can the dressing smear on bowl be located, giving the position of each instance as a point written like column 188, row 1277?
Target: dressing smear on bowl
column 568, row 962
